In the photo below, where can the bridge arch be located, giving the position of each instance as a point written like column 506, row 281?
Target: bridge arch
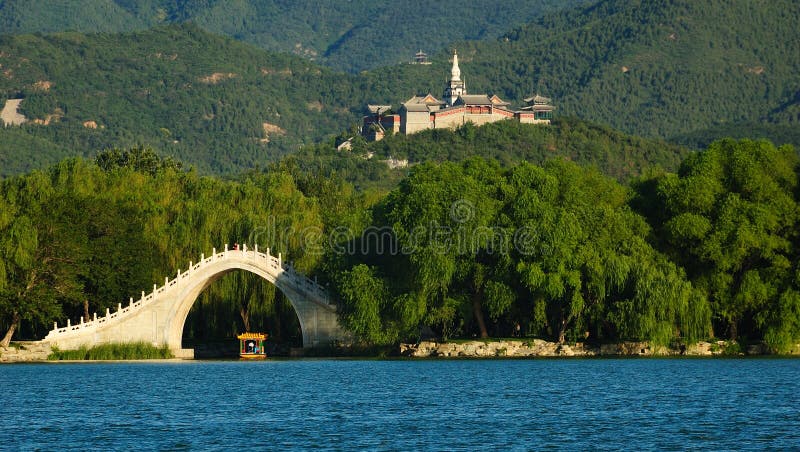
column 191, row 292
column 159, row 317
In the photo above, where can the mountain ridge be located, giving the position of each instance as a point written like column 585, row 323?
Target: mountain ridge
column 610, row 63
column 349, row 36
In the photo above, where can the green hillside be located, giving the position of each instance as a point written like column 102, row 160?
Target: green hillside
column 673, row 71
column 509, row 143
column 208, row 100
column 204, row 99
column 655, row 68
column 47, row 16
column 351, row 36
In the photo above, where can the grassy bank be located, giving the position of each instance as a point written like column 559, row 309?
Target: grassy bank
column 114, row 351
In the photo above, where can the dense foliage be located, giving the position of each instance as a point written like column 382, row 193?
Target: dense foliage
column 351, row 36
column 78, row 239
column 508, row 142
column 569, row 254
column 478, row 250
column 730, row 218
column 613, row 153
column 456, row 249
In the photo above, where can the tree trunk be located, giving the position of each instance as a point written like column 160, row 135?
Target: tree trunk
column 86, row 317
column 734, row 330
column 562, row 330
column 276, row 328
column 13, row 327
column 476, row 309
column 245, row 318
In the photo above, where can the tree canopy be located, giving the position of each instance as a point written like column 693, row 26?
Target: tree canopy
column 729, row 217
column 457, row 249
column 477, row 249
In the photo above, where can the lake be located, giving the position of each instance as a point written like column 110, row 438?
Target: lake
column 710, row 404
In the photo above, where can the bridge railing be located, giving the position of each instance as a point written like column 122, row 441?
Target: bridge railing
column 285, row 270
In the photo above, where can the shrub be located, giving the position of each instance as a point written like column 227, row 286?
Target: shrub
column 112, row 351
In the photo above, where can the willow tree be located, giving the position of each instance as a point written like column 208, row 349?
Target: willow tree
column 556, row 248
column 428, row 246
column 365, row 297
column 583, row 256
column 730, row 217
column 18, row 278
column 443, row 217
column 41, row 260
column 79, row 237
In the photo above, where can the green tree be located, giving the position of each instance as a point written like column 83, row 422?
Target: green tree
column 42, row 269
column 364, row 296
column 730, row 218
column 582, row 255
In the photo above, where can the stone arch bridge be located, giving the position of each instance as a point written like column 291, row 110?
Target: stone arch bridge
column 159, row 317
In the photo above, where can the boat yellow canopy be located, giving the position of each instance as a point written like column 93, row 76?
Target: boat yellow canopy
column 254, row 336
column 251, row 345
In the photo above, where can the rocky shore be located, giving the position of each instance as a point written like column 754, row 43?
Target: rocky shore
column 508, row 348
column 21, row 352
column 540, row 348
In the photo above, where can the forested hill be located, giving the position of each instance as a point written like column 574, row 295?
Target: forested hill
column 347, row 35
column 210, row 101
column 509, row 143
column 657, row 68
column 223, row 106
column 670, row 70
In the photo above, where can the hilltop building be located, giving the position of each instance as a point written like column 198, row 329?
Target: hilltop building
column 420, row 58
column 454, row 109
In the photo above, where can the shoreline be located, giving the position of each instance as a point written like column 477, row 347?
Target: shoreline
column 37, row 352
column 535, row 348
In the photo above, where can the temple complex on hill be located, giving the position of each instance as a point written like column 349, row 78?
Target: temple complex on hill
column 454, row 109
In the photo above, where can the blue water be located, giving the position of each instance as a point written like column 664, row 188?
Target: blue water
column 403, row 405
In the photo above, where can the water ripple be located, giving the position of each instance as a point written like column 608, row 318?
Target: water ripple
column 401, row 405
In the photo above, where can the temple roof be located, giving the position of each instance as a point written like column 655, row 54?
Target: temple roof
column 426, row 99
column 422, row 103
column 497, row 101
column 375, row 109
column 473, row 99
column 537, row 99
column 539, row 107
column 415, row 106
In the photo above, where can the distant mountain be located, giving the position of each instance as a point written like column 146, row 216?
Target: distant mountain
column 47, row 16
column 656, row 68
column 216, row 103
column 348, row 35
column 679, row 70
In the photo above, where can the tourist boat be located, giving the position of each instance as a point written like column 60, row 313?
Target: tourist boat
column 251, row 346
